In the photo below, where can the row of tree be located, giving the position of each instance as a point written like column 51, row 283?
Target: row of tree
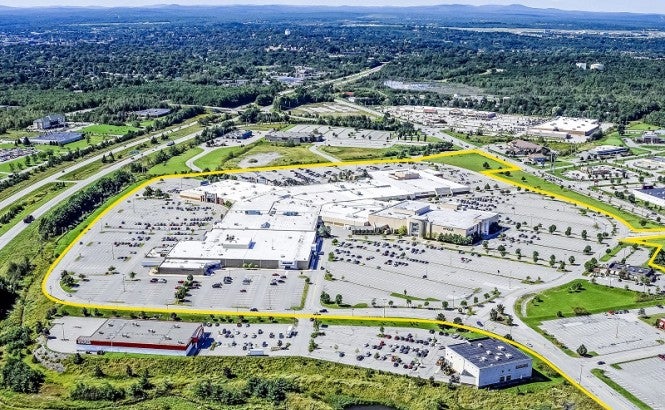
column 81, row 204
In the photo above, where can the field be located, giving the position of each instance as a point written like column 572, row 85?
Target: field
column 215, row 159
column 320, row 385
column 533, row 182
column 299, row 154
column 356, row 153
column 594, row 298
column 32, row 201
column 474, row 162
column 176, row 164
column 105, row 129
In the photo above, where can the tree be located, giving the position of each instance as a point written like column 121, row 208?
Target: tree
column 582, row 350
column 584, row 234
column 132, row 275
column 552, row 228
column 587, row 249
column 569, row 231
column 444, row 304
column 338, row 299
column 494, row 315
column 600, row 237
column 500, row 308
column 535, row 256
column 641, row 312
column 19, row 377
column 457, row 320
column 571, row 259
column 591, row 264
column 509, row 320
column 98, row 372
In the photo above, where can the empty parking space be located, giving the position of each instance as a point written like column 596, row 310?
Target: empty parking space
column 604, row 333
column 643, row 378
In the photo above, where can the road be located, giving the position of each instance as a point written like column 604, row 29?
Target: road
column 78, row 185
column 190, row 163
column 315, row 149
column 78, row 165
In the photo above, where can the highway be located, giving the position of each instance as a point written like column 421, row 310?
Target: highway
column 78, row 185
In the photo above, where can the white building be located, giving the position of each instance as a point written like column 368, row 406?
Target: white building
column 275, row 227
column 655, row 196
column 597, row 66
column 566, row 129
column 489, row 362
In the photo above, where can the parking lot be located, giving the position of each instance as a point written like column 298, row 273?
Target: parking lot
column 643, row 378
column 604, row 333
column 376, row 269
column 413, row 352
column 118, row 255
column 350, row 137
column 258, row 338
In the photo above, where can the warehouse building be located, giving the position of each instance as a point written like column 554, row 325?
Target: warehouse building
column 564, row 128
column 143, row 336
column 605, row 151
column 655, row 196
column 490, row 362
column 263, row 249
column 57, row 138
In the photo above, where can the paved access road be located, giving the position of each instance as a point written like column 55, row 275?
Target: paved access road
column 20, row 226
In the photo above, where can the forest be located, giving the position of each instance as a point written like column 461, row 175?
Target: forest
column 60, row 65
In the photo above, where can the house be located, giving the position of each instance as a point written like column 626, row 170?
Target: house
column 521, row 148
column 489, row 362
column 49, row 122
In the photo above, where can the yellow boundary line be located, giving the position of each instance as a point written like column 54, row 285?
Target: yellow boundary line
column 495, row 174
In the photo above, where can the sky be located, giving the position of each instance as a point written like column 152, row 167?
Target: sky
column 637, row 6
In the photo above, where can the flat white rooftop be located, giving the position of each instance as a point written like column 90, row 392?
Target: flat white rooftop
column 571, row 125
column 251, row 245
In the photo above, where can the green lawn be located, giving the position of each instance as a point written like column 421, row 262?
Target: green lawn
column 176, row 164
column 619, row 389
column 300, row 154
column 593, row 297
column 106, row 129
column 356, row 154
column 641, row 126
column 472, row 161
column 32, row 201
column 534, row 182
column 219, row 156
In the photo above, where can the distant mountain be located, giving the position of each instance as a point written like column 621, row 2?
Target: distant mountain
column 446, row 15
